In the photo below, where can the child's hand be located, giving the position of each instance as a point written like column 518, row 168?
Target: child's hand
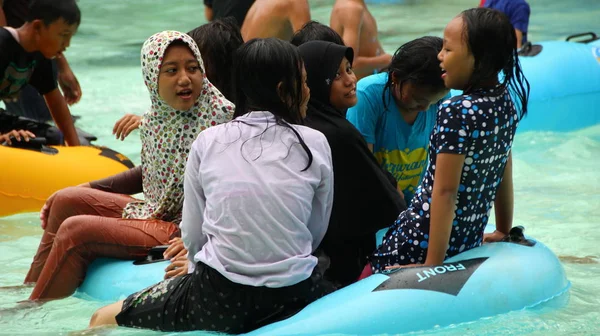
column 18, row 135
column 126, row 125
column 493, row 237
column 175, row 249
column 389, row 268
column 177, row 267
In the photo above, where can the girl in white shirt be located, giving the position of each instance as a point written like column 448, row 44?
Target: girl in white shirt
column 258, row 197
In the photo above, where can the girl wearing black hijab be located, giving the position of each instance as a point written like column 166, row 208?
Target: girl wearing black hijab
column 365, row 197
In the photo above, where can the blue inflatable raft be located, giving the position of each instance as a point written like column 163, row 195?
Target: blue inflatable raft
column 486, row 281
column 565, row 86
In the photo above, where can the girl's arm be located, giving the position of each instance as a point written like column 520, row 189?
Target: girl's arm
column 128, row 182
column 322, row 202
column 194, row 203
column 443, row 202
column 503, row 205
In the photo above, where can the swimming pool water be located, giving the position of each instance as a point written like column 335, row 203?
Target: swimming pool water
column 556, row 175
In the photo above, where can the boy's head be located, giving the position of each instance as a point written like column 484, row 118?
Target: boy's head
column 54, row 22
column 218, row 40
column 315, row 31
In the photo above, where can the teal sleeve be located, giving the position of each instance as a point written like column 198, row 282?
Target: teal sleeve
column 365, row 114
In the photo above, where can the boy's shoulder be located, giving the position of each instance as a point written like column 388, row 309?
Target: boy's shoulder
column 348, row 5
column 17, row 68
column 11, row 48
column 347, row 9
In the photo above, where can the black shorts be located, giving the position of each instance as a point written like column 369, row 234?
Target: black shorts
column 206, row 300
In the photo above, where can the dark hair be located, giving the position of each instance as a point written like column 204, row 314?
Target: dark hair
column 315, row 31
column 218, row 41
column 492, row 40
column 179, row 42
column 416, row 61
column 268, row 77
column 51, row 10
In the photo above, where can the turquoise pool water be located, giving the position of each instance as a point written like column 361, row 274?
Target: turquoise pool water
column 556, row 174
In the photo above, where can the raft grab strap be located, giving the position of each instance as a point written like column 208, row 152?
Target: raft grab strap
column 592, row 37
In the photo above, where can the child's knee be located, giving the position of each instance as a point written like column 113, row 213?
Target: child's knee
column 76, row 231
column 98, row 318
column 106, row 315
column 67, row 196
column 64, row 201
column 95, row 318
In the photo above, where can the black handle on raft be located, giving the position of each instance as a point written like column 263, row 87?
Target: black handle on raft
column 154, row 255
column 33, row 143
column 515, row 235
column 37, row 144
column 592, row 35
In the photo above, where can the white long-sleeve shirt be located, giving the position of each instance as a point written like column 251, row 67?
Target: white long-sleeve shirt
column 249, row 210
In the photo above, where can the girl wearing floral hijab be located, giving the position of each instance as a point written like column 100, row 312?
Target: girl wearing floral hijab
column 100, row 219
column 258, row 194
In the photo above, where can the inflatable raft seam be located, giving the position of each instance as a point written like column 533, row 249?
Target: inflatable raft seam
column 562, row 292
column 21, row 196
column 565, row 290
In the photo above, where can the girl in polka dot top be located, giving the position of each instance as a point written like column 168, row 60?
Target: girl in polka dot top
column 470, row 166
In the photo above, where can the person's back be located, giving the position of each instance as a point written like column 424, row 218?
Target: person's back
column 261, row 201
column 275, row 18
column 518, row 12
column 357, row 26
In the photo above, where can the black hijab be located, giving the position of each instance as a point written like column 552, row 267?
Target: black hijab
column 365, row 200
column 322, row 61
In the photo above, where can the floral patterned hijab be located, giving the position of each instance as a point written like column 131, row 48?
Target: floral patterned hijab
column 167, row 134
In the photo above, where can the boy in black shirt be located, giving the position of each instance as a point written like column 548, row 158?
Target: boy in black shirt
column 25, row 55
column 30, row 103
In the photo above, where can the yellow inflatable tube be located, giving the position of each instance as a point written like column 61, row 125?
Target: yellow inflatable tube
column 29, row 177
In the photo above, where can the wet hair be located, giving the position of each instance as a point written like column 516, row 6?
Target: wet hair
column 50, row 11
column 218, row 41
column 315, row 31
column 268, row 77
column 416, row 62
column 492, row 41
